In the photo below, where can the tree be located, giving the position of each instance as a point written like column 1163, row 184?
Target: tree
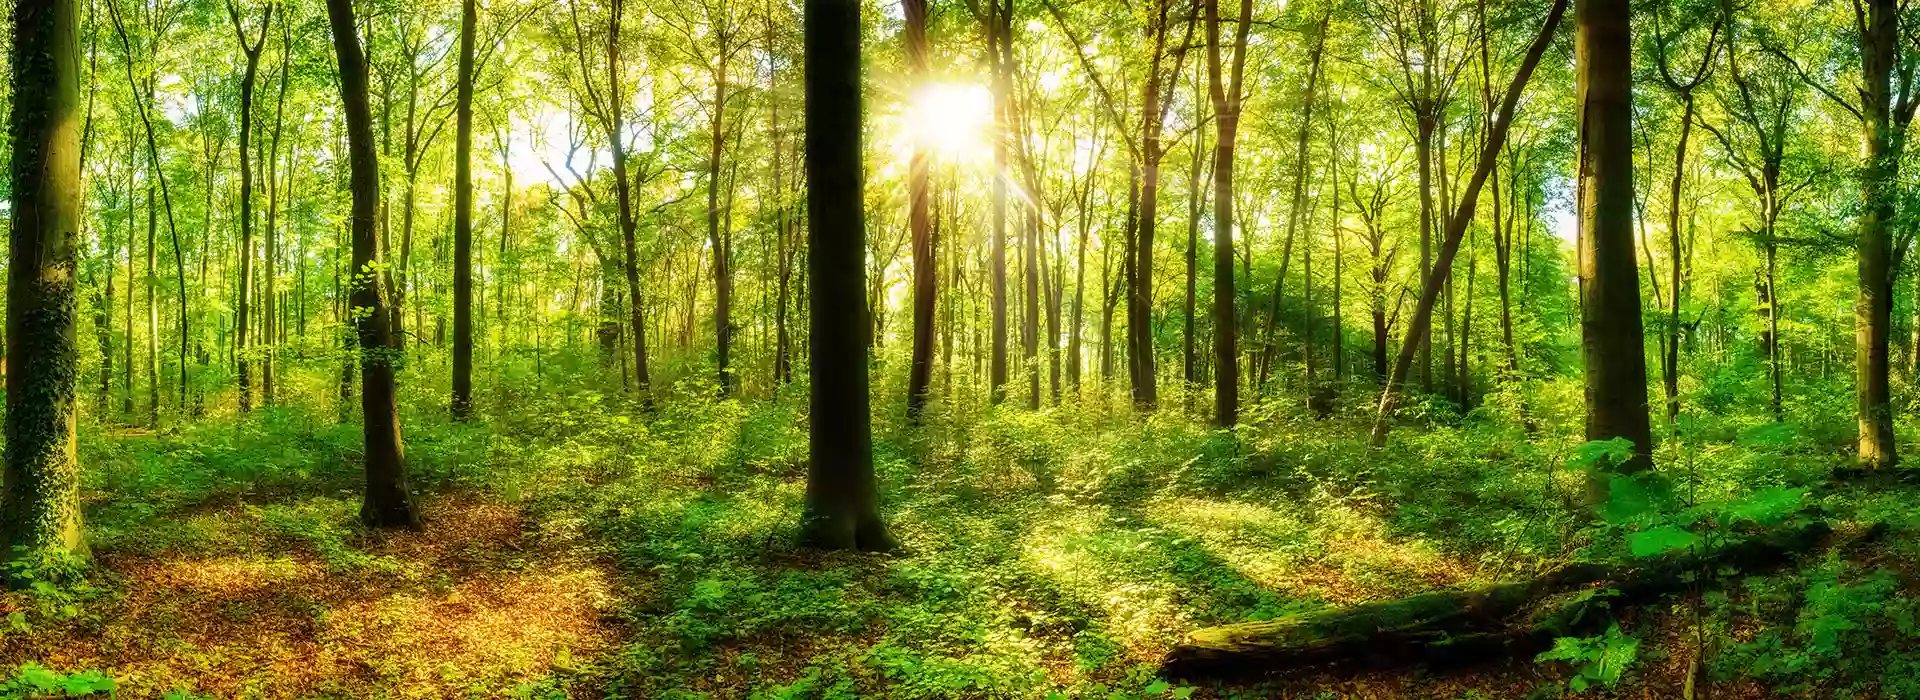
column 1682, row 91
column 252, row 51
column 1456, row 229
column 388, row 502
column 1297, row 203
column 614, row 119
column 40, row 494
column 925, row 270
column 462, row 402
column 1226, row 109
column 1610, row 327
column 1884, row 116
column 842, row 501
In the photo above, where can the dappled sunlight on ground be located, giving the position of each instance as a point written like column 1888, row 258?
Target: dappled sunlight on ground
column 1115, row 570
column 1339, row 555
column 468, row 604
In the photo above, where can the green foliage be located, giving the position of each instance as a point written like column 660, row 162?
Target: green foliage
column 49, row 585
column 31, row 680
column 1598, row 661
column 1839, row 616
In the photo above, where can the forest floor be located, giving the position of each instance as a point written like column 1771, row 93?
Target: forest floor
column 572, row 551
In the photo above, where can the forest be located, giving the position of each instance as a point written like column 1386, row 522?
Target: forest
column 1050, row 349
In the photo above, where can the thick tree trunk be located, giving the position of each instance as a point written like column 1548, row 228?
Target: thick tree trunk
column 842, row 500
column 388, row 502
column 1140, row 341
column 1873, row 312
column 1612, row 338
column 40, row 494
column 1461, row 627
column 1226, row 106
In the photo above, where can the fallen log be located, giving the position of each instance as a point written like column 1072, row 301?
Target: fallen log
column 1466, row 626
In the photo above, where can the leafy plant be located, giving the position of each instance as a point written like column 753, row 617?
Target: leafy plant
column 32, row 680
column 1598, row 660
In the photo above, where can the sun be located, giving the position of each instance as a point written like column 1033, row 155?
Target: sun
column 952, row 120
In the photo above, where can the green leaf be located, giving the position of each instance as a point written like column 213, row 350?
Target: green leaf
column 1601, row 453
column 1769, row 435
column 1660, row 540
column 1633, row 497
column 1768, row 506
column 39, row 677
column 1158, row 687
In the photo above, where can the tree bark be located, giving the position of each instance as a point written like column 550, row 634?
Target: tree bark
column 1463, row 627
column 1002, row 93
column 40, row 494
column 719, row 237
column 925, row 274
column 842, row 499
column 388, row 502
column 1612, row 337
column 1226, row 99
column 1873, row 311
column 241, row 305
column 616, row 136
column 461, row 404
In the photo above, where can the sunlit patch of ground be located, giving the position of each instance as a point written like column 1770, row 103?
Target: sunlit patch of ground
column 1326, row 552
column 468, row 606
column 1116, row 570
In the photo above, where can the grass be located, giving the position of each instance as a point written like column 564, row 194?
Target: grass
column 574, row 549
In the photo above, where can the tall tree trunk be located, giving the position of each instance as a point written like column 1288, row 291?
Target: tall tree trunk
column 461, row 404
column 1030, row 335
column 1873, row 312
column 1612, row 339
column 925, row 274
column 1002, row 94
column 1079, row 290
column 842, row 500
column 1189, row 362
column 150, row 281
column 146, row 98
column 617, row 135
column 388, row 502
column 1140, row 345
column 783, row 234
column 40, row 494
column 718, row 236
column 252, row 51
column 1226, row 108
column 269, row 294
column 1503, row 254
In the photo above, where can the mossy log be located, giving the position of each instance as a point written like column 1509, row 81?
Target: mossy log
column 1466, row 626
